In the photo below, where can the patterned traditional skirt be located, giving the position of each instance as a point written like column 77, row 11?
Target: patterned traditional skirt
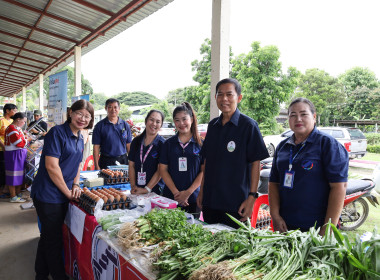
column 14, row 167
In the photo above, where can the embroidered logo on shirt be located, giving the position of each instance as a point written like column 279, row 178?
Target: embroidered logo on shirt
column 307, row 164
column 196, row 151
column 154, row 154
column 231, row 146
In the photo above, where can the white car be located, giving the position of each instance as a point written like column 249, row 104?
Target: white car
column 167, row 130
column 351, row 138
column 271, row 141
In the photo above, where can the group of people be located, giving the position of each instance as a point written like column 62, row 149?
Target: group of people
column 218, row 175
column 13, row 152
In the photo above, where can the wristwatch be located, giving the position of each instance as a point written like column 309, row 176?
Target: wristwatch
column 254, row 194
column 75, row 184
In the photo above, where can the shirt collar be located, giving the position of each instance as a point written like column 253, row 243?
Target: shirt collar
column 69, row 132
column 234, row 119
column 119, row 120
column 179, row 141
column 309, row 139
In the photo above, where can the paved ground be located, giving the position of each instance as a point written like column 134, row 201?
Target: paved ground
column 19, row 236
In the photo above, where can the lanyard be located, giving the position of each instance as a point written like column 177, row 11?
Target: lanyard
column 291, row 158
column 146, row 154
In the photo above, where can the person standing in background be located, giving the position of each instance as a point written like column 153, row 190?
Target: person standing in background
column 111, row 138
column 15, row 156
column 8, row 111
column 38, row 115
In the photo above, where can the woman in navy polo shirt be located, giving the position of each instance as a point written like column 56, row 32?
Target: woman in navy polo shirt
column 309, row 174
column 56, row 184
column 143, row 156
column 180, row 160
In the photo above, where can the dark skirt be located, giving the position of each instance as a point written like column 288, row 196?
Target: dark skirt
column 14, row 167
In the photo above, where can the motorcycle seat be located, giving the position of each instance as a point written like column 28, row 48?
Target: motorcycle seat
column 357, row 185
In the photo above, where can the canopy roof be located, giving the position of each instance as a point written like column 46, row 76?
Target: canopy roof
column 39, row 36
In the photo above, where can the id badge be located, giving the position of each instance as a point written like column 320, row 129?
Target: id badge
column 288, row 180
column 141, row 178
column 182, row 164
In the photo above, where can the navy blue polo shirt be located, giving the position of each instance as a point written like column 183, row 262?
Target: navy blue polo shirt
column 151, row 162
column 229, row 151
column 321, row 161
column 170, row 153
column 61, row 143
column 112, row 138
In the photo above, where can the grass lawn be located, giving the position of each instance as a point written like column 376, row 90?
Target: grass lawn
column 372, row 157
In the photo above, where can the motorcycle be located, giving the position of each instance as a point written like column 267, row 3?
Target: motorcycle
column 355, row 209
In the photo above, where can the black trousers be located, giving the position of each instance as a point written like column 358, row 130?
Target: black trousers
column 49, row 258
column 192, row 209
column 106, row 160
column 213, row 216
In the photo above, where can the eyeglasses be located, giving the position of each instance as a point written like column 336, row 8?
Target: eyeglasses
column 82, row 116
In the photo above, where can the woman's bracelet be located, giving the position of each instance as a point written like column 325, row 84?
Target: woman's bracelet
column 75, row 184
column 148, row 189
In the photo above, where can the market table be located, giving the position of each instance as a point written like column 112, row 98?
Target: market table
column 89, row 257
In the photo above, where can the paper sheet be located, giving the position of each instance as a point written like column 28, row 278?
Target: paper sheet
column 75, row 221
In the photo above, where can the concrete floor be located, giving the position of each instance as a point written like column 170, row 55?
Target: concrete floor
column 19, row 235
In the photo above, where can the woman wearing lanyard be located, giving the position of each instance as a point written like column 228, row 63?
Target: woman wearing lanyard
column 144, row 154
column 180, row 160
column 56, row 183
column 309, row 174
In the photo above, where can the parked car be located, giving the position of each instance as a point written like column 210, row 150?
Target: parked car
column 271, row 141
column 351, row 138
column 202, row 129
column 167, row 130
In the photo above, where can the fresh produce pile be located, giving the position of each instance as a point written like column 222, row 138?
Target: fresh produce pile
column 191, row 252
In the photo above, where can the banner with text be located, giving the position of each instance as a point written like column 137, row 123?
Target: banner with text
column 57, row 105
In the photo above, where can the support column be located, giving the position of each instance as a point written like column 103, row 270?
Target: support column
column 220, row 49
column 77, row 71
column 41, row 95
column 24, row 99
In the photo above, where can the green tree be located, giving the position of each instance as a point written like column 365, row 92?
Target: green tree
column 264, row 86
column 324, row 91
column 358, row 77
column 363, row 103
column 124, row 113
column 136, row 98
column 165, row 107
column 176, row 96
column 99, row 100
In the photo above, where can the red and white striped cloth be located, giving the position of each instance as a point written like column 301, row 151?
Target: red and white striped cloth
column 14, row 138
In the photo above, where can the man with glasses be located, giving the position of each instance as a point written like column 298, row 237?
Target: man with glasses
column 232, row 150
column 111, row 138
column 8, row 111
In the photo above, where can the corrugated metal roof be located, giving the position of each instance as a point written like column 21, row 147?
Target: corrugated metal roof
column 39, row 36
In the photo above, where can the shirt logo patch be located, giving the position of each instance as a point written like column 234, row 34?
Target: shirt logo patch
column 154, row 154
column 307, row 164
column 196, row 150
column 231, row 146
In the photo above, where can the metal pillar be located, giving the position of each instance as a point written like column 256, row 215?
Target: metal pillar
column 41, row 96
column 24, row 99
column 77, row 71
column 220, row 50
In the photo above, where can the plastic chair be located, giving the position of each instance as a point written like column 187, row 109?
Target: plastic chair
column 90, row 158
column 262, row 199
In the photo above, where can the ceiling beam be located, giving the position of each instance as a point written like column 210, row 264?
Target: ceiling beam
column 27, row 50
